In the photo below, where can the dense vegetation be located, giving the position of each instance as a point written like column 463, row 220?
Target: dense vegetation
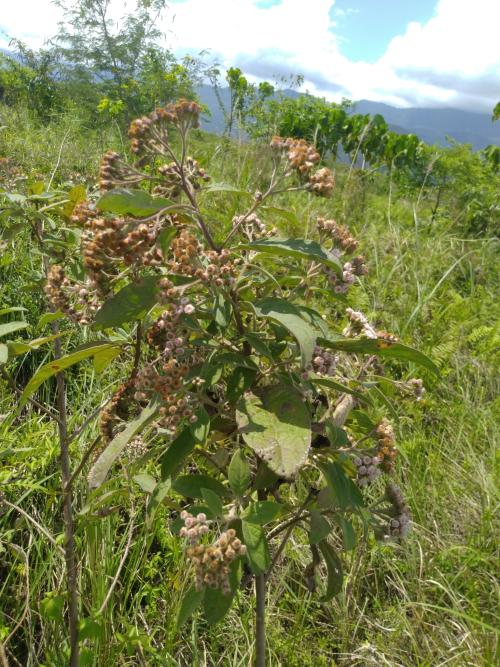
column 102, row 502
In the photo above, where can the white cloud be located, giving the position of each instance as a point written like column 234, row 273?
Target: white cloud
column 453, row 59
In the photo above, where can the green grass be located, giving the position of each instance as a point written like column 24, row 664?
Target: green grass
column 432, row 601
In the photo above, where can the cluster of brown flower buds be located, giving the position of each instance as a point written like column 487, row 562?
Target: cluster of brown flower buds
column 358, row 325
column 172, row 182
column 324, row 362
column 135, row 449
column 209, row 266
column 386, row 445
column 116, row 411
column 107, row 241
column 321, row 183
column 339, row 234
column 302, row 157
column 252, row 227
column 399, row 519
column 178, row 404
column 64, row 294
column 212, row 562
column 367, row 469
column 418, row 388
column 150, row 132
column 114, row 172
column 82, row 212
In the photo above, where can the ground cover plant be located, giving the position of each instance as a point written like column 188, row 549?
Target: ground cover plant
column 223, row 288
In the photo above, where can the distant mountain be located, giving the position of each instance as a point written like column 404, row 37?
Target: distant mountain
column 431, row 125
column 434, row 125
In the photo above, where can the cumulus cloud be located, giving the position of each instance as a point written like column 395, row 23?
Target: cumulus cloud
column 451, row 60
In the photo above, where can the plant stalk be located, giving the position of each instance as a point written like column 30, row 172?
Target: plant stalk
column 260, row 621
column 67, row 494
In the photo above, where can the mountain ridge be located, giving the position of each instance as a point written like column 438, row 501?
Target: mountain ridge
column 432, row 125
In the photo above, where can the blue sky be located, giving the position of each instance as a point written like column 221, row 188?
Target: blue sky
column 425, row 53
column 367, row 26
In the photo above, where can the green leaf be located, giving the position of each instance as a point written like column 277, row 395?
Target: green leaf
column 145, row 481
column 4, row 353
column 191, row 486
column 319, row 528
column 201, row 427
column 48, row 370
column 102, row 466
column 265, row 477
column 284, row 213
column 259, row 345
column 16, row 349
column 334, row 569
column 215, row 603
column 226, row 187
column 286, row 314
column 342, row 388
column 239, row 473
column 344, row 491
column 179, row 449
column 381, row 348
column 165, row 238
column 256, row 544
column 348, row 534
column 159, row 493
column 47, row 318
column 102, row 360
column 190, row 603
column 222, row 310
column 238, row 382
column 262, row 512
column 336, row 435
column 213, row 502
column 89, row 629
column 137, row 203
column 132, row 302
column 52, row 607
column 277, row 427
column 297, row 248
column 11, row 309
column 10, row 327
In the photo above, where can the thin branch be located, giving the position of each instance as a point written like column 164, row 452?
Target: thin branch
column 37, row 525
column 298, row 516
column 10, row 381
column 82, row 463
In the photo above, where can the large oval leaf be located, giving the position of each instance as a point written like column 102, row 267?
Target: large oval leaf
column 290, row 317
column 100, row 351
column 130, row 303
column 216, row 604
column 277, row 427
column 137, row 203
column 10, row 327
column 257, row 548
column 102, row 466
column 334, row 570
column 192, row 486
column 382, row 348
column 298, row 248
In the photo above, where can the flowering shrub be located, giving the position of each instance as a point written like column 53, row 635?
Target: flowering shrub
column 264, row 418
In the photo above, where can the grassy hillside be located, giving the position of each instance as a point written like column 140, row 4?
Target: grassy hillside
column 430, row 601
